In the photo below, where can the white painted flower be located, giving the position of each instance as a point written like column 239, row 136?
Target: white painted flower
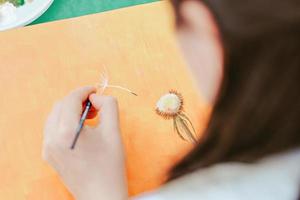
column 169, row 105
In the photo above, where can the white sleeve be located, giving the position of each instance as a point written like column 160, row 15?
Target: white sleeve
column 149, row 196
column 274, row 178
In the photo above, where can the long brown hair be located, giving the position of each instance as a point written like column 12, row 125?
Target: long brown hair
column 257, row 110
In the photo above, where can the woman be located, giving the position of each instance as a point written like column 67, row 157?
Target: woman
column 245, row 57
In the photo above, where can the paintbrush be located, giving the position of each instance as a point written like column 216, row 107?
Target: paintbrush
column 88, row 105
column 81, row 122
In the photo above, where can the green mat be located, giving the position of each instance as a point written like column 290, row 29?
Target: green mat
column 62, row 9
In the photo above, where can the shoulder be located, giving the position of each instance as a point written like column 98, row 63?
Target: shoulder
column 273, row 178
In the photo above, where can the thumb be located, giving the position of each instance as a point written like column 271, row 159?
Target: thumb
column 107, row 106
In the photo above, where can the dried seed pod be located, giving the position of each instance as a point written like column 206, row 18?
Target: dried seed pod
column 170, row 106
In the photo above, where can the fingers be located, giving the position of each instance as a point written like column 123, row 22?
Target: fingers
column 92, row 112
column 52, row 121
column 108, row 108
column 64, row 119
column 72, row 110
column 50, row 128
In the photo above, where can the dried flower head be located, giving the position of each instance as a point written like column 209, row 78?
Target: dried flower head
column 169, row 105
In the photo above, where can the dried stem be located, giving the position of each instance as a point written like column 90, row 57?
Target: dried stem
column 119, row 87
column 105, row 84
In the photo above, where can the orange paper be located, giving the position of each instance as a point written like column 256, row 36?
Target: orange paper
column 40, row 64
